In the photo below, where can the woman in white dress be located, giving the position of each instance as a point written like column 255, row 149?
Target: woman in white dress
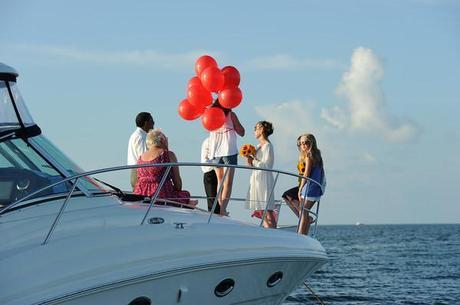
column 260, row 193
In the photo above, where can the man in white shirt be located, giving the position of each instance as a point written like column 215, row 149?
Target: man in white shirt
column 209, row 177
column 136, row 144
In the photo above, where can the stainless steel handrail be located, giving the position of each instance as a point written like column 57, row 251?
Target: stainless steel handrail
column 61, row 211
column 124, row 167
column 268, row 200
column 154, row 197
column 219, row 191
column 157, row 192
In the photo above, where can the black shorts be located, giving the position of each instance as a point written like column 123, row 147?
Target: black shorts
column 293, row 193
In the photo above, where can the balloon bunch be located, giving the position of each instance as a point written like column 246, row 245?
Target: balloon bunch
column 210, row 79
column 247, row 150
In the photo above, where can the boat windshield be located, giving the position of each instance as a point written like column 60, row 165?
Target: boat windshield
column 8, row 117
column 28, row 161
column 29, row 165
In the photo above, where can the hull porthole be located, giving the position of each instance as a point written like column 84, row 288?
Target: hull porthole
column 274, row 279
column 224, row 288
column 140, row 301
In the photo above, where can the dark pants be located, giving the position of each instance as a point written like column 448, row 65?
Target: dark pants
column 210, row 187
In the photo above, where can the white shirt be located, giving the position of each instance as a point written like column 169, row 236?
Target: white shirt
column 205, row 156
column 222, row 142
column 136, row 145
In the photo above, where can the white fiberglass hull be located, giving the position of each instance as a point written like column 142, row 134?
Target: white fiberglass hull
column 196, row 285
column 103, row 256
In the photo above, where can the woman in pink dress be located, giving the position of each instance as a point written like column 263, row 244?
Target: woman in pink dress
column 149, row 178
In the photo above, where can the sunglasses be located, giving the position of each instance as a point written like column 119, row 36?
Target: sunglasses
column 302, row 143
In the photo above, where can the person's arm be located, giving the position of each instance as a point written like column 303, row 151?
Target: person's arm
column 237, row 125
column 177, row 181
column 205, row 152
column 308, row 165
column 267, row 158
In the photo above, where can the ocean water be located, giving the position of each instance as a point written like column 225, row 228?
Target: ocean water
column 386, row 264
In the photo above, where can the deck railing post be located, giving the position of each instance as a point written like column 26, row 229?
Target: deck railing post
column 221, row 186
column 269, row 197
column 316, row 218
column 302, row 203
column 157, row 192
column 61, row 211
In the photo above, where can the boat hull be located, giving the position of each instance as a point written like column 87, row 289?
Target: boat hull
column 197, row 285
column 104, row 256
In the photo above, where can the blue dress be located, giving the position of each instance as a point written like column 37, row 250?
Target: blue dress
column 311, row 190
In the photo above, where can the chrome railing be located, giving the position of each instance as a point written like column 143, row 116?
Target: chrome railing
column 154, row 198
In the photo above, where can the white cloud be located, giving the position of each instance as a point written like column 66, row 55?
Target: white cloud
column 368, row 157
column 293, row 118
column 366, row 102
column 290, row 119
column 350, row 163
column 136, row 57
column 336, row 117
column 287, row 62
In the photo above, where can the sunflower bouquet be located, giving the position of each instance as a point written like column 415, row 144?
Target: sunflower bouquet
column 247, row 150
column 301, row 169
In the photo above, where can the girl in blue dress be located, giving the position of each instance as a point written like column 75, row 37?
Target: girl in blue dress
column 310, row 190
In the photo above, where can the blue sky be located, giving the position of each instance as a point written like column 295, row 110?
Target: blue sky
column 376, row 81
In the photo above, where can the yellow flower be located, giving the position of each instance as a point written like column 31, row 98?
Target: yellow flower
column 301, row 168
column 247, row 150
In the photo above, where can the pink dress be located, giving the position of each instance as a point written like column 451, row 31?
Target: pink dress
column 149, row 178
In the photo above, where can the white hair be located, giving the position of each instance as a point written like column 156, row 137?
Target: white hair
column 156, row 138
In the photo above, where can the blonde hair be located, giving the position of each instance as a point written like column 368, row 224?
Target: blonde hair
column 156, row 138
column 313, row 153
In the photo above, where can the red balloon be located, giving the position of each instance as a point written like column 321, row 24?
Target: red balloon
column 231, row 76
column 199, row 96
column 213, row 118
column 230, row 97
column 194, row 81
column 203, row 62
column 188, row 111
column 212, row 79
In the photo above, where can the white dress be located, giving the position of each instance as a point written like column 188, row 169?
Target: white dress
column 261, row 182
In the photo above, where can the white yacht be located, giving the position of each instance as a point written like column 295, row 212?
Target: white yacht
column 68, row 239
